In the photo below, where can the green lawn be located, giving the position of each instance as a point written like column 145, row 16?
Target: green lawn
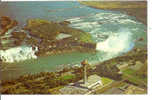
column 67, row 77
column 129, row 71
column 105, row 80
column 131, row 76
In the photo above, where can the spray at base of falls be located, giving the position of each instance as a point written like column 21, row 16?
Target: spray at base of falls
column 17, row 54
column 117, row 43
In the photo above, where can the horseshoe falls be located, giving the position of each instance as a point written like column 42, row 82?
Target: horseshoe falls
column 114, row 33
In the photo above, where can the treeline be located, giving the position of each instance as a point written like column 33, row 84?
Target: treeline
column 40, row 83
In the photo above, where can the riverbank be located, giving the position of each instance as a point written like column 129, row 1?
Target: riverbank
column 137, row 9
column 44, row 37
column 133, row 64
column 119, row 33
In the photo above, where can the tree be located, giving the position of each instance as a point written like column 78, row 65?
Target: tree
column 108, row 71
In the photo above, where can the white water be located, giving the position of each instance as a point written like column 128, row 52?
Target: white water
column 110, row 24
column 17, row 54
column 116, row 43
column 121, row 31
column 113, row 32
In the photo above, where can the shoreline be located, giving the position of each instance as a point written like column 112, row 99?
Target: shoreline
column 137, row 9
column 131, row 66
column 43, row 38
column 130, row 58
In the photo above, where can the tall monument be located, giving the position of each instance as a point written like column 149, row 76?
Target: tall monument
column 84, row 63
column 91, row 81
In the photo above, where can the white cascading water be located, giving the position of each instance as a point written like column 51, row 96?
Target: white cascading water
column 114, row 33
column 120, row 29
column 116, row 43
column 17, row 54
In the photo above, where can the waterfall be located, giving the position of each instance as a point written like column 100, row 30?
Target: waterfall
column 17, row 54
column 117, row 43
